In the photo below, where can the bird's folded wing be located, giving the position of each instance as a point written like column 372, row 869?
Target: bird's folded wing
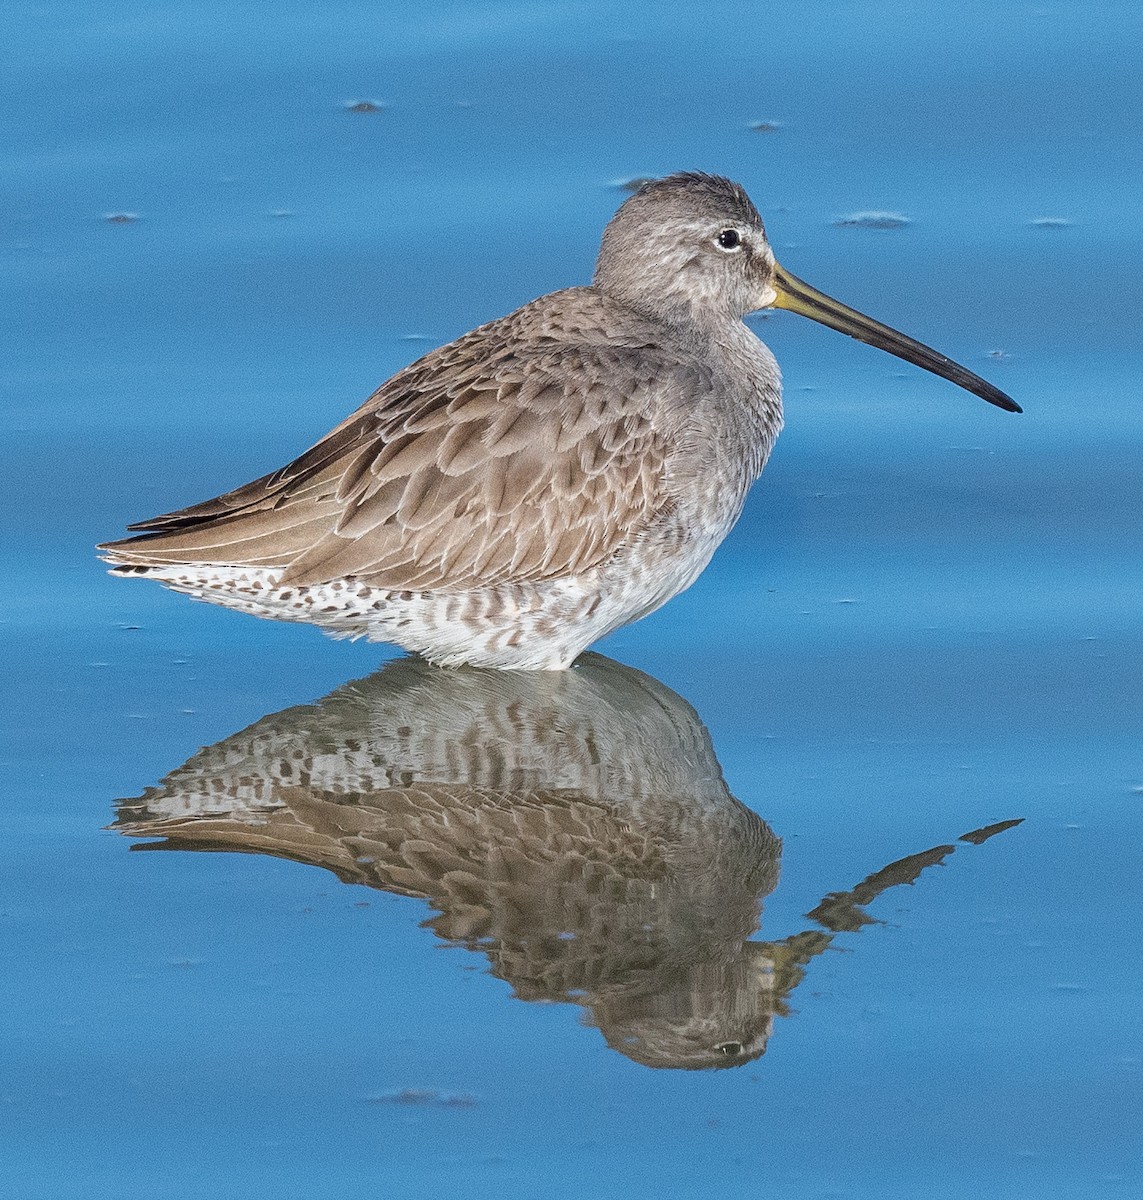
column 479, row 464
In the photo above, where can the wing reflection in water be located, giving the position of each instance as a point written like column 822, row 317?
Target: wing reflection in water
column 574, row 826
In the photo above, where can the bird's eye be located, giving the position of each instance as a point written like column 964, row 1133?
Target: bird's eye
column 730, row 1049
column 729, row 239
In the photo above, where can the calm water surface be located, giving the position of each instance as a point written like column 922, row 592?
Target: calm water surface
column 463, row 935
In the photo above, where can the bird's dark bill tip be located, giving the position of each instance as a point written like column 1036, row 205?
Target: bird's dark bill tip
column 1003, row 401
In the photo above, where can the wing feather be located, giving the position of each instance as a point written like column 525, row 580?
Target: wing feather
column 496, row 458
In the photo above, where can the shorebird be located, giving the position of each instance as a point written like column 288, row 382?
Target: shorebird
column 515, row 495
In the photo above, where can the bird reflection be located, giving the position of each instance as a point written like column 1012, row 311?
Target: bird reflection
column 573, row 826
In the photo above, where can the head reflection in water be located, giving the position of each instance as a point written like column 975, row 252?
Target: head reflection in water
column 573, row 826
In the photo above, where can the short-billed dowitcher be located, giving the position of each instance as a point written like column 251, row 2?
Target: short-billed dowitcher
column 515, row 495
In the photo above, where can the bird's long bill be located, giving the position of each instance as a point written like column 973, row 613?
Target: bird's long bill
column 799, row 297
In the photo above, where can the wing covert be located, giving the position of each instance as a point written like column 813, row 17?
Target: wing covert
column 487, row 461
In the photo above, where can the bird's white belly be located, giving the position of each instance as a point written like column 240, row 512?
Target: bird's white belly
column 512, row 626
column 522, row 626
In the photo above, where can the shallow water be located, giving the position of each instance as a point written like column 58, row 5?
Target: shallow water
column 924, row 626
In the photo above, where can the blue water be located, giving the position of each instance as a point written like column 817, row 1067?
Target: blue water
column 926, row 622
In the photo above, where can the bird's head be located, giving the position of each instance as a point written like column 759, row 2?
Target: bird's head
column 690, row 250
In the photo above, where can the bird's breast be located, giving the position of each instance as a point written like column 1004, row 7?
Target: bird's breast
column 730, row 432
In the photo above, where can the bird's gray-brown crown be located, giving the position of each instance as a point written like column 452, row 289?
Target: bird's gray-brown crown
column 715, row 195
column 689, row 249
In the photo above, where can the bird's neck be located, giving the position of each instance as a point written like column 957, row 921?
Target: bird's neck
column 690, row 322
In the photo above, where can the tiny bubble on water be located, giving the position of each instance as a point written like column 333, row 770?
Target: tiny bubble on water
column 874, row 219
